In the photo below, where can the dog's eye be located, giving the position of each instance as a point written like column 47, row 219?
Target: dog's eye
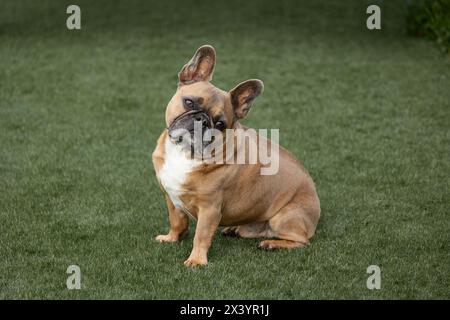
column 188, row 103
column 220, row 125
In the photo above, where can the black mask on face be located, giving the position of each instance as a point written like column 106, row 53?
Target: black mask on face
column 181, row 130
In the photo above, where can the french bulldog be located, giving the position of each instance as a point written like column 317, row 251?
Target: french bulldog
column 283, row 207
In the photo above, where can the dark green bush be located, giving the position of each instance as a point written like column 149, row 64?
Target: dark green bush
column 430, row 19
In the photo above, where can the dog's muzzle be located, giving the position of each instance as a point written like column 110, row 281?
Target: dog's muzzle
column 186, row 122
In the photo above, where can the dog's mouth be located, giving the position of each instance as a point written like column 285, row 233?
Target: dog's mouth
column 189, row 129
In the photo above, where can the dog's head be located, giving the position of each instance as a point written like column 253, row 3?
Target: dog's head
column 197, row 103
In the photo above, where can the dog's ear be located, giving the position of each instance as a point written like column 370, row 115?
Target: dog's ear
column 200, row 67
column 243, row 95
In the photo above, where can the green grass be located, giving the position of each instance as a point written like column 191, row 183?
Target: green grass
column 367, row 112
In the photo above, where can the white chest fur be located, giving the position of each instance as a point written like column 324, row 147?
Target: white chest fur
column 173, row 173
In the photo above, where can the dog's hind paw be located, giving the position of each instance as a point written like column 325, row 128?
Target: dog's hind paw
column 230, row 232
column 280, row 244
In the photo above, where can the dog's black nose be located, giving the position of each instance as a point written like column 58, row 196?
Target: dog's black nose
column 202, row 119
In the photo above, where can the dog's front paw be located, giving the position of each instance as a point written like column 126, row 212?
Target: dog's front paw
column 166, row 238
column 194, row 262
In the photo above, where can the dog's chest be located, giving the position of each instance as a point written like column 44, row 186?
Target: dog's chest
column 173, row 174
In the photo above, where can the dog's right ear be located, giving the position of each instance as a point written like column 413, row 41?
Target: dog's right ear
column 200, row 67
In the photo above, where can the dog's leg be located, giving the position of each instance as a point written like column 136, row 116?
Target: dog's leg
column 250, row 230
column 179, row 224
column 208, row 221
column 290, row 226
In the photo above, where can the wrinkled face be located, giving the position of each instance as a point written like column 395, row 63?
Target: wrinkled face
column 200, row 103
column 198, row 107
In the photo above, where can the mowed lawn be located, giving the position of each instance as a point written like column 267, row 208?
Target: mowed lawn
column 367, row 112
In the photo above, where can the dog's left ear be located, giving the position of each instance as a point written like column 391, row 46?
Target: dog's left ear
column 200, row 67
column 243, row 95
